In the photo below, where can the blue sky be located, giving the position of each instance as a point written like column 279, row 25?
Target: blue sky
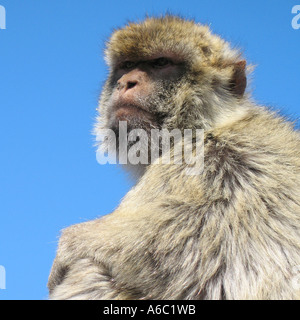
column 51, row 73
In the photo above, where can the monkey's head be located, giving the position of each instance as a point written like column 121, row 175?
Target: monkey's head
column 169, row 73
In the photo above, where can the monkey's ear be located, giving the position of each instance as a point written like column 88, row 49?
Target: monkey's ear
column 238, row 82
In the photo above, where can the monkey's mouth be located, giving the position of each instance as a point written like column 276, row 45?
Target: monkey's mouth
column 125, row 112
column 128, row 112
column 133, row 115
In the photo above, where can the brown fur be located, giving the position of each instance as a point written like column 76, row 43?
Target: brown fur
column 232, row 232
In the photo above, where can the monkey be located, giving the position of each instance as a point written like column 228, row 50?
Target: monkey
column 231, row 232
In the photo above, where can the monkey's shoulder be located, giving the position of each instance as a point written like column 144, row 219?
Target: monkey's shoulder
column 260, row 148
column 259, row 133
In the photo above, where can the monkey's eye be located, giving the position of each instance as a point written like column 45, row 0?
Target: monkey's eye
column 160, row 62
column 127, row 65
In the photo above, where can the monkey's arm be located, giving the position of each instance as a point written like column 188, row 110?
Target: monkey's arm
column 122, row 256
column 96, row 284
column 77, row 271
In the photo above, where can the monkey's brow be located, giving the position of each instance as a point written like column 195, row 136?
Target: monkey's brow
column 145, row 61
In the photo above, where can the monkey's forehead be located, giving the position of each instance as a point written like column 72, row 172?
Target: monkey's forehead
column 169, row 35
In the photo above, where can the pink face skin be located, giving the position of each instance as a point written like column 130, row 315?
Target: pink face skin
column 136, row 81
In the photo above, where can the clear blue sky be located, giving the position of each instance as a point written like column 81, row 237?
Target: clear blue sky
column 51, row 73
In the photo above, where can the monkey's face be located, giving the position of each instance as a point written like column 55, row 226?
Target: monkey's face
column 168, row 73
column 141, row 91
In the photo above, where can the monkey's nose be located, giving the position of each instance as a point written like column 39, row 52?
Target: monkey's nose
column 131, row 84
column 126, row 85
